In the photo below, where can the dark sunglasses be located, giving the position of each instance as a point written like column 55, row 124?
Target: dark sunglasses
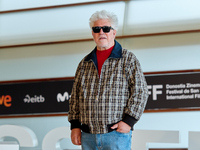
column 105, row 29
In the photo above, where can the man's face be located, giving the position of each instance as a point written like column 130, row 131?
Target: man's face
column 103, row 40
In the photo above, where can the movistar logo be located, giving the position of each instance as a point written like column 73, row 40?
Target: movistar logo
column 62, row 98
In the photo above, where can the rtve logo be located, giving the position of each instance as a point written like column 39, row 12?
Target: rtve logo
column 154, row 90
column 5, row 100
column 62, row 98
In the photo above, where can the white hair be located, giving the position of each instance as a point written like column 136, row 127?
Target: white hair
column 104, row 15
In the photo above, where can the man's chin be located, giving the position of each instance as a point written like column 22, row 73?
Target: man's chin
column 102, row 48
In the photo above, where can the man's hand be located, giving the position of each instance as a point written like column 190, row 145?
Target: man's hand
column 76, row 136
column 121, row 127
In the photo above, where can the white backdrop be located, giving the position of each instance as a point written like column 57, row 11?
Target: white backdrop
column 156, row 53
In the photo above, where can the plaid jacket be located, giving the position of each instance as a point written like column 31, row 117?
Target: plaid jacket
column 119, row 94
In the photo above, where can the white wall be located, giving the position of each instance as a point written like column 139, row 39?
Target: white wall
column 156, row 53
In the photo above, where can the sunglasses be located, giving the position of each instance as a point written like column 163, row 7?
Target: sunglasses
column 105, row 29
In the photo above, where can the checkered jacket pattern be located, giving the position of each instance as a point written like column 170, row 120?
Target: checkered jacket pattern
column 121, row 89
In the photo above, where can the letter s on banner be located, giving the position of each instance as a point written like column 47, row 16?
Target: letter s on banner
column 24, row 135
column 52, row 139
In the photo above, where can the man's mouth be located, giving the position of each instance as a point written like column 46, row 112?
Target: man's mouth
column 102, row 38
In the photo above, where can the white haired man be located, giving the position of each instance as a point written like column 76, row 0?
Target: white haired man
column 109, row 94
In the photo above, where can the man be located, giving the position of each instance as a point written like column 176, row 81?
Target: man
column 109, row 93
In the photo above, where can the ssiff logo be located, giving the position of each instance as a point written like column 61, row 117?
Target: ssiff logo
column 62, row 98
column 5, row 100
column 155, row 90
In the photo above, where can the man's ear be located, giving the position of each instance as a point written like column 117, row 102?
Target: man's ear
column 114, row 33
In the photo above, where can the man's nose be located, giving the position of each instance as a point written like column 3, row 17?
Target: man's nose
column 101, row 31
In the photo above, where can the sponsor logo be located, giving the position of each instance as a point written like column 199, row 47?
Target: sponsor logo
column 62, row 98
column 35, row 99
column 6, row 100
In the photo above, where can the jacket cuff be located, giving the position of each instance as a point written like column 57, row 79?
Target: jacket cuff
column 75, row 124
column 131, row 121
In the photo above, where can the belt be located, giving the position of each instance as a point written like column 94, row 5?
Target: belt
column 85, row 128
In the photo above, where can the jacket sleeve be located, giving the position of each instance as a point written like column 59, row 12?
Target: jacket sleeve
column 137, row 89
column 73, row 114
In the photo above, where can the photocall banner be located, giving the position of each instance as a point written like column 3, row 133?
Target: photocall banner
column 166, row 91
column 173, row 91
column 44, row 97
